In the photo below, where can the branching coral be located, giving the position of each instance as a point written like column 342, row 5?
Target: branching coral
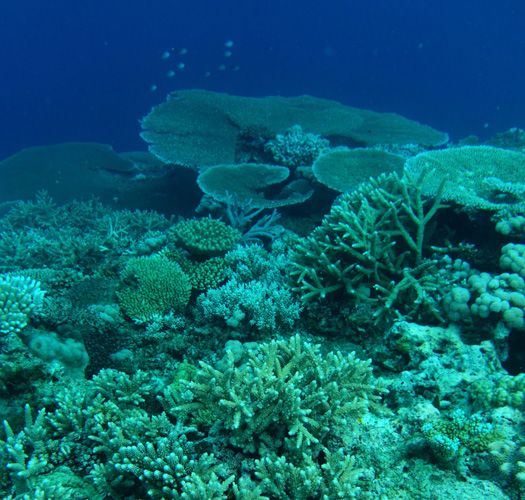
column 282, row 396
column 20, row 297
column 371, row 247
column 295, row 147
column 255, row 296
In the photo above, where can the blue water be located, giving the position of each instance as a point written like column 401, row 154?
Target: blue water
column 83, row 71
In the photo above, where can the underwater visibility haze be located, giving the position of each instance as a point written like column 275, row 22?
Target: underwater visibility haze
column 262, row 250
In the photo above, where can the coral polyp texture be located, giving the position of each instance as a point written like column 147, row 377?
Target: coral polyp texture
column 246, row 183
column 196, row 128
column 208, row 237
column 343, row 169
column 152, row 286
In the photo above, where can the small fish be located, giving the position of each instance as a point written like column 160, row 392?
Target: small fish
column 165, row 55
column 227, row 53
column 207, row 74
column 181, row 65
column 170, row 73
column 153, row 88
column 222, row 67
column 183, row 51
column 228, row 44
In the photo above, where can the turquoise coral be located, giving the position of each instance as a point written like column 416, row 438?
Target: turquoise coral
column 20, row 297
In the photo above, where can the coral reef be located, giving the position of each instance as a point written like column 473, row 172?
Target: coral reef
column 255, row 297
column 205, row 237
column 247, row 182
column 20, row 297
column 373, row 353
column 196, row 128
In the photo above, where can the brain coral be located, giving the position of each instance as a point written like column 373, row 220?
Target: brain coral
column 481, row 177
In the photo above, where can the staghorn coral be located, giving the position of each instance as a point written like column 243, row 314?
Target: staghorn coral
column 282, row 396
column 97, row 440
column 371, row 248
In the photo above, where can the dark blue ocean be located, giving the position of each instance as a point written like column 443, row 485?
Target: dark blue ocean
column 88, row 71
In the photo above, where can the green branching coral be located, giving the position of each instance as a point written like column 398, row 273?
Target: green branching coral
column 165, row 469
column 151, row 286
column 107, row 437
column 280, row 478
column 97, row 440
column 282, row 396
column 372, row 247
